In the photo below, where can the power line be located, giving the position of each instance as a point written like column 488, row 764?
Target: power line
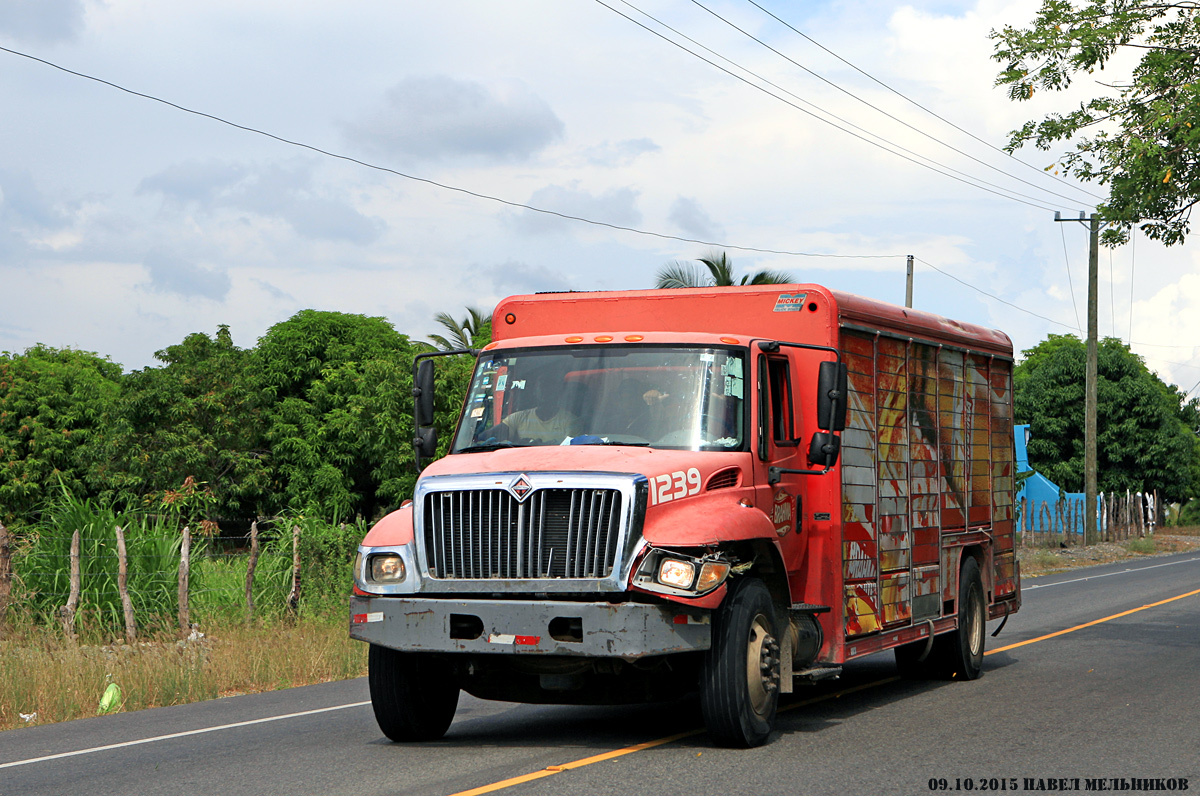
column 877, row 109
column 531, row 207
column 908, row 99
column 972, row 181
column 444, row 186
column 994, row 296
column 798, row 98
column 1070, row 284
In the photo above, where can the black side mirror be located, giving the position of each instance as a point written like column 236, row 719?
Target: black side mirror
column 824, row 449
column 831, row 396
column 423, row 394
column 426, row 442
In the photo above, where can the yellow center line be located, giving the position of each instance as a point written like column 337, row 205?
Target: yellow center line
column 1089, row 624
column 628, row 750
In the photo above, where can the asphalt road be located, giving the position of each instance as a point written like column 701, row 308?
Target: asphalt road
column 1116, row 702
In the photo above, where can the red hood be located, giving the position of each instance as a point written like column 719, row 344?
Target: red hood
column 650, row 462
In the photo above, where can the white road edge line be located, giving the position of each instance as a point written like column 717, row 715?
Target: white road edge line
column 1108, row 574
column 180, row 735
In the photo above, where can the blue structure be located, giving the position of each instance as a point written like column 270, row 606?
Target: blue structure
column 1042, row 511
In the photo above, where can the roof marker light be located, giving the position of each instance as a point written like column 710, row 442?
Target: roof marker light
column 575, row 339
column 634, row 338
column 604, row 338
column 731, row 340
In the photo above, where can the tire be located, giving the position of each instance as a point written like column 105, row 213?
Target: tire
column 957, row 655
column 962, row 653
column 739, row 678
column 414, row 698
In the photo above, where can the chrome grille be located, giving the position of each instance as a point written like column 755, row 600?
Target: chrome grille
column 555, row 533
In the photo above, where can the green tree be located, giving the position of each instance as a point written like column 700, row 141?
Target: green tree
column 719, row 274
column 1141, row 136
column 339, row 417
column 1146, row 433
column 198, row 416
column 51, row 404
column 473, row 331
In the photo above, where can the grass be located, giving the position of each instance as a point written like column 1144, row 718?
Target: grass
column 42, row 673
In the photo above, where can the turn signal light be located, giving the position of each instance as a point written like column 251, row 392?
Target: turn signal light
column 711, row 575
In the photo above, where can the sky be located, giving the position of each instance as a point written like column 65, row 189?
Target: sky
column 127, row 224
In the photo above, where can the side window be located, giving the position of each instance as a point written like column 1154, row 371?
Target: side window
column 781, row 401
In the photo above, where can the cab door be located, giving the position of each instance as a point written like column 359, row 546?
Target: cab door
column 777, row 446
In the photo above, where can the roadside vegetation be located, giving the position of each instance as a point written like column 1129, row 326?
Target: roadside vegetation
column 63, row 644
column 1037, row 561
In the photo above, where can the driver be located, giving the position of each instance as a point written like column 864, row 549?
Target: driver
column 547, row 421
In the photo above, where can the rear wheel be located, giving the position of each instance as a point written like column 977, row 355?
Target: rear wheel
column 956, row 655
column 963, row 651
column 413, row 697
column 739, row 681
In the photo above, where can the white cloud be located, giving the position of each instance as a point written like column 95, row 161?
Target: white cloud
column 41, row 21
column 614, row 206
column 439, row 117
column 691, row 219
column 169, row 274
column 566, row 106
column 288, row 192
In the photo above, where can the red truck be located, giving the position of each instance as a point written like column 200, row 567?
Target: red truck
column 725, row 491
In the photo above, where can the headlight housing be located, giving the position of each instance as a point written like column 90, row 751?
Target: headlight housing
column 673, row 572
column 386, row 568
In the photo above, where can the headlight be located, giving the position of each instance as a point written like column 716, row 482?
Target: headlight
column 386, row 568
column 673, row 572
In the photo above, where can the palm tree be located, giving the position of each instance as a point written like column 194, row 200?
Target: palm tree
column 467, row 333
column 720, row 274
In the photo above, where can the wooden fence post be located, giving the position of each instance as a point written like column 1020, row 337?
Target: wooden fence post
column 293, row 600
column 5, row 574
column 1128, row 514
column 185, row 565
column 1024, row 522
column 1140, row 516
column 68, row 610
column 123, row 587
column 250, row 571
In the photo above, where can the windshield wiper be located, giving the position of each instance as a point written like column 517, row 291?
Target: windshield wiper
column 491, row 446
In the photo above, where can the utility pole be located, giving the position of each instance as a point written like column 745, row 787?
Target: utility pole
column 1089, row 403
column 1090, row 527
column 908, row 289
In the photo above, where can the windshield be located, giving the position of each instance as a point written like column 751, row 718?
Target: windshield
column 657, row 396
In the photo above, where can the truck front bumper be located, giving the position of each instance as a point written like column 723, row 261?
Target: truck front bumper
column 584, row 629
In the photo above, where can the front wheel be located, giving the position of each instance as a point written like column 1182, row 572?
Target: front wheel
column 739, row 680
column 414, row 698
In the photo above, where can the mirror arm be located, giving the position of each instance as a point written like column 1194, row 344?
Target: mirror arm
column 775, row 474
